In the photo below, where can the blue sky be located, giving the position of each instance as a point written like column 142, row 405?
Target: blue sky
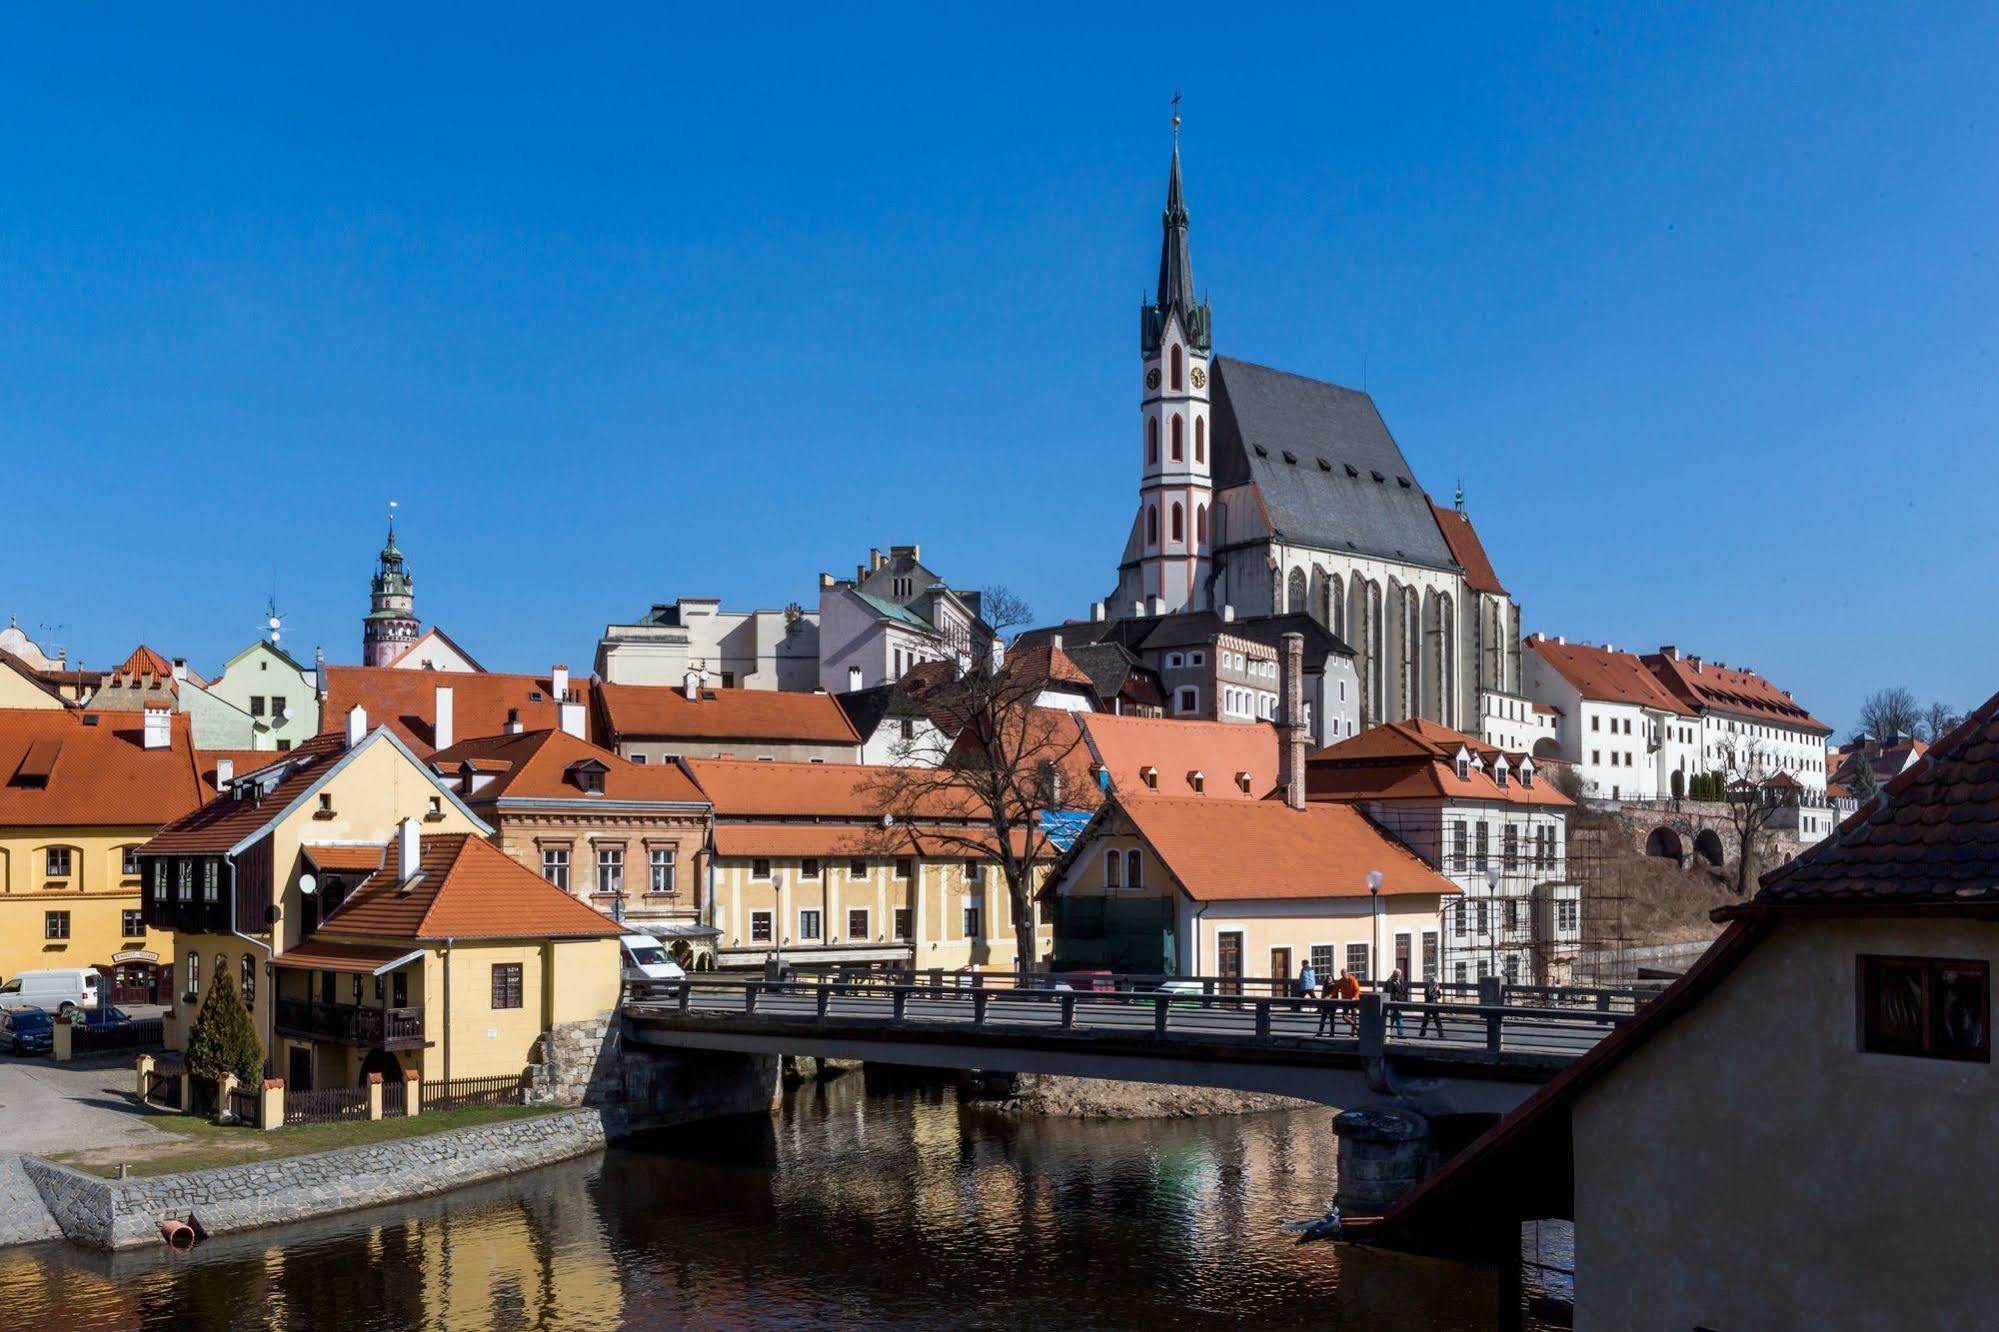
column 625, row 306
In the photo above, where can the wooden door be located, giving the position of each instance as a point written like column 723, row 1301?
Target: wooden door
column 298, row 1068
column 1228, row 960
column 1280, row 972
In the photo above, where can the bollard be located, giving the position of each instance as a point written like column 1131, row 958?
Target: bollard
column 62, row 1035
column 1068, row 1009
column 271, row 1105
column 825, row 994
column 686, row 997
column 412, row 1091
column 750, row 997
column 1263, row 1019
column 1372, row 1024
column 144, row 1066
column 374, row 1096
column 901, row 1002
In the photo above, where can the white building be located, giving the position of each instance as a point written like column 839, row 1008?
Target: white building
column 760, row 649
column 892, row 616
column 1624, row 731
column 1746, row 722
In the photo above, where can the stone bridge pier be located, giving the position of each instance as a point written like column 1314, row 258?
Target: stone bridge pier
column 590, row 1063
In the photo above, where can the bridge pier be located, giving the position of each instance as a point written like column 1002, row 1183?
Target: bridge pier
column 1385, row 1151
column 663, row 1088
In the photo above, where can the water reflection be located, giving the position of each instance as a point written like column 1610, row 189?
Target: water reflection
column 867, row 1202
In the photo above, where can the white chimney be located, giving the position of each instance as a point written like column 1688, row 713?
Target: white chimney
column 1138, row 610
column 357, row 725
column 442, row 728
column 853, row 678
column 1228, row 612
column 225, row 773
column 572, row 720
column 1669, row 652
column 514, row 726
column 690, row 685
column 180, row 670
column 558, row 681
column 1561, row 641
column 1097, row 610
column 1055, row 642
column 159, row 725
column 409, row 849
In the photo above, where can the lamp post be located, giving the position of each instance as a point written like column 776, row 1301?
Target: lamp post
column 1492, row 918
column 1374, row 881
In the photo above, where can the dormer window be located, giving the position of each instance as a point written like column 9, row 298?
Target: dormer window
column 1464, row 765
column 1242, row 782
column 588, row 776
column 1526, row 774
column 1499, row 773
column 1150, row 776
column 1198, row 780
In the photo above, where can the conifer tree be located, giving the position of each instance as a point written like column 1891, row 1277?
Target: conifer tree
column 224, row 1038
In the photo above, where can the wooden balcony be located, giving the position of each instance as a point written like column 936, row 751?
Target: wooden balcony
column 349, row 1024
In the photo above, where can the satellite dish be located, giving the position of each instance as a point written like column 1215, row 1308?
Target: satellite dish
column 307, row 884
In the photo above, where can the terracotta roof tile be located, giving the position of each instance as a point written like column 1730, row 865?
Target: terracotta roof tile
column 663, row 712
column 60, row 768
column 1467, row 549
column 537, row 765
column 468, row 889
column 1729, row 689
column 1604, row 676
column 1126, row 746
column 327, row 955
column 346, row 858
column 747, row 788
column 406, row 701
column 226, row 820
column 1417, row 759
column 244, row 761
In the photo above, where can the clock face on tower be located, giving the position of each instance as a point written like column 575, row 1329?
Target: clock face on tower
column 1199, row 376
column 1152, row 378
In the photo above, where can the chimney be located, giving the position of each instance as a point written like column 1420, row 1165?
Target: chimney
column 1292, row 733
column 443, row 732
column 1228, row 612
column 826, row 580
column 319, row 673
column 1155, row 605
column 1696, row 664
column 1561, row 641
column 853, row 678
column 514, row 726
column 558, row 682
column 225, row 773
column 1669, row 652
column 159, row 725
column 180, row 670
column 1097, row 611
column 571, row 715
column 875, row 560
column 409, row 849
column 1138, row 610
column 690, row 685
column 1054, row 642
column 357, row 725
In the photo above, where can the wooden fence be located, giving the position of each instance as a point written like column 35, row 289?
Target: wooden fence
column 143, row 1034
column 328, row 1106
column 461, row 1093
column 163, row 1088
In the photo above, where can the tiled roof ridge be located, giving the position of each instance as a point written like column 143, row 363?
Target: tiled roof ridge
column 437, row 897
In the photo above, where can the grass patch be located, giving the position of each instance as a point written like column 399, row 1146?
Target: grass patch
column 202, row 1144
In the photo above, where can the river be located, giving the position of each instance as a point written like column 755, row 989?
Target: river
column 868, row 1202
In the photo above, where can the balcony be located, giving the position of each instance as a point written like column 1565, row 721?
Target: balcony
column 350, row 1024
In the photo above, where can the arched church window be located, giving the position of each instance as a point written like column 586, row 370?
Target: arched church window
column 1152, row 524
column 1152, row 440
column 1294, row 592
column 1176, row 369
column 1179, row 523
column 1177, row 432
column 1200, row 439
column 1201, row 524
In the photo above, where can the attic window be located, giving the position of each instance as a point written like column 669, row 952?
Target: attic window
column 534, row 695
column 1351, row 472
column 1499, row 774
column 1402, row 481
column 1378, row 477
column 1261, row 452
column 1290, row 457
column 90, row 719
column 1325, row 466
column 1242, row 782
column 588, row 775
column 1150, row 776
column 1198, row 780
column 1527, row 774
column 1464, row 767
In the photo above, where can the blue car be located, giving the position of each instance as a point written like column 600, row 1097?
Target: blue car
column 103, row 1018
column 25, row 1031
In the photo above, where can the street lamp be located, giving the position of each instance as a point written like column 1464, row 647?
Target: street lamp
column 1492, row 919
column 1374, row 882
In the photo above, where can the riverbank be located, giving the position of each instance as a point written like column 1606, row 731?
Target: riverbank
column 126, row 1213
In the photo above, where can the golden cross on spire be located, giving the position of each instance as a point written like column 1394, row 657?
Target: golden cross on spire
column 1176, row 115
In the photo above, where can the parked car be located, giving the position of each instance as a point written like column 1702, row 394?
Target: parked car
column 60, row 989
column 26, row 1031
column 646, row 959
column 1084, row 980
column 103, row 1018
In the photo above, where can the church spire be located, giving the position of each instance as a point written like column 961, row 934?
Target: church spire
column 1176, row 266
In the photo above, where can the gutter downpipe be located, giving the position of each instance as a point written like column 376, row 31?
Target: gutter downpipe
column 447, row 1009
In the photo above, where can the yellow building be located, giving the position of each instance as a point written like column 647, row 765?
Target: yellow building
column 805, row 870
column 279, row 882
column 79, row 794
column 22, row 687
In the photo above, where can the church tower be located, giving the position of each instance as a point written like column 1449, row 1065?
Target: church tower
column 390, row 626
column 1171, row 536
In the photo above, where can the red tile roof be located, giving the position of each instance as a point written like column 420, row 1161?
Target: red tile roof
column 536, row 765
column 831, row 841
column 346, row 858
column 1930, row 838
column 225, row 821
column 1604, row 676
column 1045, row 664
column 468, row 889
column 746, row 788
column 1417, row 759
column 326, row 955
column 1232, row 850
column 665, row 713
column 1467, row 549
column 1126, row 746
column 407, row 702
column 246, row 761
column 1725, row 689
column 58, row 771
column 145, row 661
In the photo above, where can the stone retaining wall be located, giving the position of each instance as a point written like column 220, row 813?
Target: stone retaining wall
column 1107, row 1098
column 119, row 1214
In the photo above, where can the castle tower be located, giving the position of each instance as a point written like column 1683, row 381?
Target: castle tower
column 1177, row 451
column 390, row 626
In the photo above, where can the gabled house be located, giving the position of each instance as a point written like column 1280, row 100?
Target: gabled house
column 627, row 838
column 655, row 724
column 22, row 686
column 1627, row 735
column 433, row 710
column 279, row 696
column 893, row 615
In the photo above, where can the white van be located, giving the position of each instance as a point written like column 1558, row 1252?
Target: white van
column 646, row 959
column 57, row 990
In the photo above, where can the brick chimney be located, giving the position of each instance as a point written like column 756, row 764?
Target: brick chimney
column 443, row 730
column 1291, row 734
column 514, row 726
column 159, row 725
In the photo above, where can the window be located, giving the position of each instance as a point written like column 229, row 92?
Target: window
column 1152, row 440
column 972, row 913
column 184, row 881
column 1511, row 847
column 902, row 924
column 1200, row 521
column 132, row 924
column 808, row 925
column 1152, row 524
column 904, row 867
column 436, row 807
column 857, row 869
column 1357, row 957
column 1176, row 370
column 1431, row 949
column 1484, row 918
column 1187, row 699
column 1458, row 973
column 248, row 983
column 1927, row 1007
column 808, row 868
column 760, row 927
column 129, row 862
column 1479, row 842
column 1460, row 920
column 1596, row 723
column 1201, row 450
column 1134, row 869
column 760, row 868
column 57, row 861
column 1324, row 961
column 1464, row 767
column 1179, row 524
column 1457, row 858
column 975, row 874
column 1197, row 658
column 1178, row 450
column 610, row 869
column 193, row 973
column 857, row 924
column 278, row 706
column 555, row 866
column 256, row 705
column 1114, row 868
column 55, row 924
column 1511, row 966
column 1568, row 916
column 159, row 880
column 661, row 880
column 209, row 891
column 506, row 984
column 325, row 804
column 1175, row 660
column 639, row 759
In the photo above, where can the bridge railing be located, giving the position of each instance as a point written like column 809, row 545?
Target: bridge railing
column 1186, row 1010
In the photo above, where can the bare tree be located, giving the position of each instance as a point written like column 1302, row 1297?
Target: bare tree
column 996, row 766
column 1752, row 799
column 1939, row 720
column 1887, row 712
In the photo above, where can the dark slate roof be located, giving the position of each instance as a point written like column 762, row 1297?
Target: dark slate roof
column 1931, row 836
column 1154, row 633
column 1320, row 642
column 1314, row 451
column 1115, row 670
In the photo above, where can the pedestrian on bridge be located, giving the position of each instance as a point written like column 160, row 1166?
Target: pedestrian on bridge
column 1308, row 982
column 1395, row 992
column 1431, row 1017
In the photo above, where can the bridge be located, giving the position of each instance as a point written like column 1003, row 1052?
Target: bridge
column 1480, row 1050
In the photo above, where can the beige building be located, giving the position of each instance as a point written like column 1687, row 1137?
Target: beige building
column 1800, row 1133
column 628, row 838
column 805, row 871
